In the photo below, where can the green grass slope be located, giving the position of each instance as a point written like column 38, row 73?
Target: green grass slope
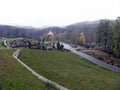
column 1, row 45
column 13, row 76
column 70, row 70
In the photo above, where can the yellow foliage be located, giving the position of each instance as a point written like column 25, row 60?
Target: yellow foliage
column 82, row 38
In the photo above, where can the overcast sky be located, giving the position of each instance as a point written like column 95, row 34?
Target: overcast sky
column 39, row 13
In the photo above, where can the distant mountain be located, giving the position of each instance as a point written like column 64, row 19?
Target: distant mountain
column 87, row 27
column 14, row 31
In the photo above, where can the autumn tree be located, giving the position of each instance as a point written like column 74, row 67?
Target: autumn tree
column 74, row 37
column 82, row 38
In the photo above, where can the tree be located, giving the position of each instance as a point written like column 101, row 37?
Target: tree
column 53, row 38
column 74, row 37
column 94, row 38
column 82, row 38
column 105, row 34
column 116, row 30
column 66, row 36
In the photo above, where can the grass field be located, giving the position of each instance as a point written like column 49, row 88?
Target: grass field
column 70, row 70
column 13, row 76
column 1, row 45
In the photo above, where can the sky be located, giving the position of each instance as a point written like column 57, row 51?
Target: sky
column 39, row 13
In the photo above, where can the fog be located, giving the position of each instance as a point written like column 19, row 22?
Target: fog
column 38, row 13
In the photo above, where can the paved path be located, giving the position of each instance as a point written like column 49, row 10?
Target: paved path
column 92, row 59
column 5, row 43
column 15, row 55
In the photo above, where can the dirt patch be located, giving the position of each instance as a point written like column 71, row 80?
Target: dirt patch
column 103, row 57
column 97, row 52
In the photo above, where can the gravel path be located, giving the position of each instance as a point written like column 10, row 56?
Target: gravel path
column 92, row 59
column 15, row 55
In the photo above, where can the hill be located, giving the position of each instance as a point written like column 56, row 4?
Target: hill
column 14, row 31
column 70, row 70
column 89, row 28
column 14, row 76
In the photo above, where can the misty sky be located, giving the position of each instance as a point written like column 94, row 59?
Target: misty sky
column 39, row 13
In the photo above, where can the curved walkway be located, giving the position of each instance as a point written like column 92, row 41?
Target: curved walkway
column 92, row 59
column 5, row 43
column 15, row 55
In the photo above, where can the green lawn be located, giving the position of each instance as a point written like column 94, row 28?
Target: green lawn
column 13, row 76
column 9, row 39
column 1, row 45
column 70, row 70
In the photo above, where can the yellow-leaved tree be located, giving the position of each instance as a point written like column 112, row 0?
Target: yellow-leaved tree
column 82, row 38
